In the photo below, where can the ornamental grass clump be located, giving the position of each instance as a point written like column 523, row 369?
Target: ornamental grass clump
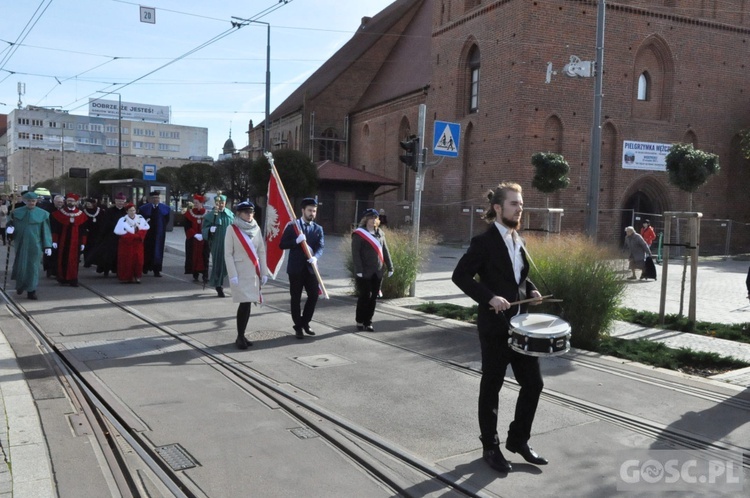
column 407, row 262
column 581, row 274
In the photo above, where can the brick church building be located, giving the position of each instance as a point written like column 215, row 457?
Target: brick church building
column 674, row 71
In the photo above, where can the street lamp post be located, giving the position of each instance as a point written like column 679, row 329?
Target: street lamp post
column 119, row 126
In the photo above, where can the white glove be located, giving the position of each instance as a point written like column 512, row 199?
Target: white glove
column 198, row 237
column 301, row 237
column 390, row 274
column 10, row 230
column 212, row 229
column 82, row 247
column 130, row 229
column 264, row 280
column 54, row 245
column 359, row 275
column 234, row 280
column 48, row 252
column 312, row 260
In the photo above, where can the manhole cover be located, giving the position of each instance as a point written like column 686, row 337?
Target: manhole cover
column 304, row 432
column 176, row 457
column 322, row 360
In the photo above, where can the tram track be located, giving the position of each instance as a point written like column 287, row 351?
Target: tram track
column 394, row 467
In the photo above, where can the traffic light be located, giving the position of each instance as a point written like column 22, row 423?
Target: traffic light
column 411, row 146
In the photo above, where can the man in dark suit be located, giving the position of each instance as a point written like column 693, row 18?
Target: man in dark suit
column 498, row 258
column 300, row 266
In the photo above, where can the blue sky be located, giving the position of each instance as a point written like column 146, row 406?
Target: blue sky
column 65, row 51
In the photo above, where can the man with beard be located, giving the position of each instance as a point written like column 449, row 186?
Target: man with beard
column 498, row 257
column 29, row 228
column 300, row 266
column 156, row 214
column 107, row 258
column 196, row 249
column 69, row 239
column 94, row 222
column 215, row 225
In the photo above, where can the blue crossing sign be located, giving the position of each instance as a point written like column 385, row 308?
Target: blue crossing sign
column 447, row 136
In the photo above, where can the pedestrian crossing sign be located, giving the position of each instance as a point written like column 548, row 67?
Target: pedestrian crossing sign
column 447, row 136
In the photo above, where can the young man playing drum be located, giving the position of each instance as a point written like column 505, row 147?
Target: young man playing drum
column 499, row 259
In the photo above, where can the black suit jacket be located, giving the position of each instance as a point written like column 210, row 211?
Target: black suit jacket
column 487, row 258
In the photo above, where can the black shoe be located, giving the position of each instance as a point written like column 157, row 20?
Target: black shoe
column 527, row 453
column 496, row 460
column 242, row 342
column 360, row 327
column 298, row 332
column 220, row 291
column 32, row 296
column 19, row 291
column 195, row 276
column 369, row 328
column 157, row 274
column 309, row 331
column 74, row 284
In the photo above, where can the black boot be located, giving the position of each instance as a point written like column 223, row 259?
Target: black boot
column 242, row 342
column 220, row 291
column 32, row 295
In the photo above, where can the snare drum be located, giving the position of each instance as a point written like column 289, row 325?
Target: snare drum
column 537, row 334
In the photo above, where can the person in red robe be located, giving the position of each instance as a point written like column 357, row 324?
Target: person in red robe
column 196, row 249
column 131, row 229
column 69, row 238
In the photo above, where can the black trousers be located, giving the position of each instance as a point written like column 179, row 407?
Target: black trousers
column 496, row 356
column 309, row 282
column 368, row 289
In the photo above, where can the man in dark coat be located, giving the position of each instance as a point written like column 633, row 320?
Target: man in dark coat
column 300, row 266
column 156, row 214
column 94, row 224
column 107, row 254
column 498, row 257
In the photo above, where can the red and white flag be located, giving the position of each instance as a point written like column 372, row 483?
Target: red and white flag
column 277, row 218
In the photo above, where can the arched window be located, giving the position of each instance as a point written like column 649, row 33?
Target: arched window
column 328, row 146
column 643, row 84
column 474, row 63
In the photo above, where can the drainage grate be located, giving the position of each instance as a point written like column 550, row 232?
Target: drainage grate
column 176, row 457
column 304, row 433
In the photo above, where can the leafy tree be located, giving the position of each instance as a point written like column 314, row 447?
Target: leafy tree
column 551, row 172
column 297, row 172
column 690, row 168
column 197, row 178
column 234, row 176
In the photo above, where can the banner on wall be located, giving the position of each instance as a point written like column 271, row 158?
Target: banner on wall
column 644, row 155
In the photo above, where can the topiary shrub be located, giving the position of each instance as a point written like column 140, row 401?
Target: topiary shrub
column 581, row 274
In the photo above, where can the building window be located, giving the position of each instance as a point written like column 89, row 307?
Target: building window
column 95, row 127
column 643, row 81
column 137, row 145
column 169, row 134
column 111, row 142
column 474, row 86
column 37, row 122
column 328, row 146
column 125, row 144
column 125, row 131
column 37, row 136
column 53, row 124
column 23, row 121
column 22, row 135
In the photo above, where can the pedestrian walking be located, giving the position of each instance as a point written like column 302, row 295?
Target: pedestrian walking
column 131, row 230
column 215, row 225
column 245, row 258
column 156, row 214
column 94, row 223
column 647, row 232
column 371, row 260
column 498, row 257
column 300, row 268
column 637, row 251
column 107, row 258
column 29, row 227
column 68, row 239
column 196, row 248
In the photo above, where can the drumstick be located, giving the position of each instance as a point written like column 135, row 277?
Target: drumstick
column 523, row 301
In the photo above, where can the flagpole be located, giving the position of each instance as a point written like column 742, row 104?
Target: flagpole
column 290, row 212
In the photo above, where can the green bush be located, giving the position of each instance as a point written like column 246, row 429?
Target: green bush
column 581, row 274
column 407, row 262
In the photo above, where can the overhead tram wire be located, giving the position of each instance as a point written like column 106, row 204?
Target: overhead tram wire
column 60, row 82
column 25, row 32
